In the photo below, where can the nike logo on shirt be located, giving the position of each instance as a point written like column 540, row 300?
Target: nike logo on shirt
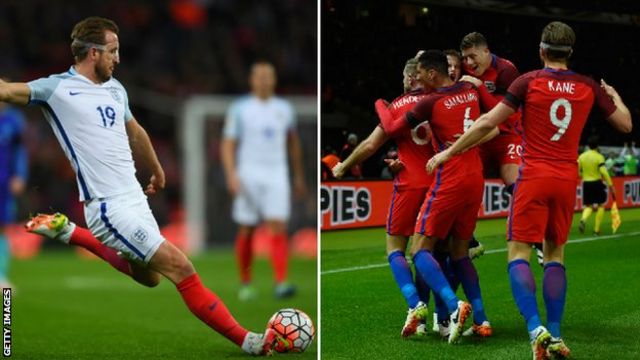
column 74, row 93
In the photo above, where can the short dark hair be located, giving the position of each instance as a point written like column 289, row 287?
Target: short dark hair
column 473, row 39
column 435, row 59
column 557, row 33
column 592, row 142
column 90, row 30
column 453, row 52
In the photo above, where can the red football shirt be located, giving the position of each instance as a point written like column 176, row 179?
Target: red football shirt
column 450, row 112
column 497, row 78
column 556, row 106
column 414, row 145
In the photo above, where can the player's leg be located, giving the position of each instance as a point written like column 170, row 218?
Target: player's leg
column 169, row 261
column 58, row 226
column 509, row 175
column 274, row 203
column 280, row 258
column 599, row 217
column 244, row 257
column 555, row 279
column 589, row 202
column 245, row 213
column 396, row 246
column 404, row 206
column 465, row 271
column 432, row 274
column 527, row 220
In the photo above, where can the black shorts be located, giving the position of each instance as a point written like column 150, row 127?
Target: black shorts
column 593, row 192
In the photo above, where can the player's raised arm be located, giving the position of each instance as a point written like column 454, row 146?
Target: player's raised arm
column 621, row 118
column 14, row 93
column 363, row 151
column 142, row 149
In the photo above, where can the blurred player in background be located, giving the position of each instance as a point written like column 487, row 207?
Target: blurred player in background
column 556, row 103
column 259, row 131
column 409, row 189
column 13, row 177
column 89, row 113
column 594, row 191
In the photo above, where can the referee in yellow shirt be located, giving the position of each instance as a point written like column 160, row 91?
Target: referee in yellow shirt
column 594, row 194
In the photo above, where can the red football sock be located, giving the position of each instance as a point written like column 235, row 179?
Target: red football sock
column 84, row 238
column 279, row 256
column 208, row 307
column 244, row 254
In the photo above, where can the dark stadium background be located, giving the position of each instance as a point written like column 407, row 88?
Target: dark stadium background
column 364, row 45
column 170, row 50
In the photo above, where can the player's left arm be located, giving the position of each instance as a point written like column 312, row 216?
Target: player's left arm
column 482, row 129
column 295, row 155
column 143, row 149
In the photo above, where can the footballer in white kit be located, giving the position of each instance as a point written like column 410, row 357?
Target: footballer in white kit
column 259, row 134
column 99, row 152
column 89, row 113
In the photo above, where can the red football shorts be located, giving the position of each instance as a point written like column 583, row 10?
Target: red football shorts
column 403, row 210
column 451, row 210
column 502, row 149
column 542, row 209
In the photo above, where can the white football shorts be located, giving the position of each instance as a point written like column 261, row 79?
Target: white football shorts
column 262, row 197
column 125, row 223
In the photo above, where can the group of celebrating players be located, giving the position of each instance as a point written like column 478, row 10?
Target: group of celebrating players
column 448, row 129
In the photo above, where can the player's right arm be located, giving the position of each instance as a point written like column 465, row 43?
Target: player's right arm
column 362, row 152
column 621, row 118
column 14, row 93
column 228, row 146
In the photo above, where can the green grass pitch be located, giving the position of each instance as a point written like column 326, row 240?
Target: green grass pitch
column 69, row 308
column 363, row 310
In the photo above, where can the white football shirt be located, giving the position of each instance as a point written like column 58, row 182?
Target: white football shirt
column 89, row 121
column 261, row 128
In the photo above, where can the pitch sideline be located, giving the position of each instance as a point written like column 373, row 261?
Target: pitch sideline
column 494, row 251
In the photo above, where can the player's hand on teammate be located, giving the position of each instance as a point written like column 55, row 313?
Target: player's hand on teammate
column 395, row 165
column 156, row 183
column 338, row 171
column 437, row 160
column 471, row 79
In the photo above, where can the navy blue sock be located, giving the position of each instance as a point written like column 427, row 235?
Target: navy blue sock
column 402, row 275
column 432, row 274
column 466, row 272
column 422, row 287
column 445, row 264
column 441, row 308
column 554, row 290
column 523, row 287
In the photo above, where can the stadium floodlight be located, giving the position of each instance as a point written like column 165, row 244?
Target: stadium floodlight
column 196, row 112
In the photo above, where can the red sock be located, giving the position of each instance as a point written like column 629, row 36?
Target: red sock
column 244, row 254
column 84, row 238
column 208, row 307
column 279, row 256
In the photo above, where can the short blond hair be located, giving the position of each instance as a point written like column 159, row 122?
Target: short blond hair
column 90, row 30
